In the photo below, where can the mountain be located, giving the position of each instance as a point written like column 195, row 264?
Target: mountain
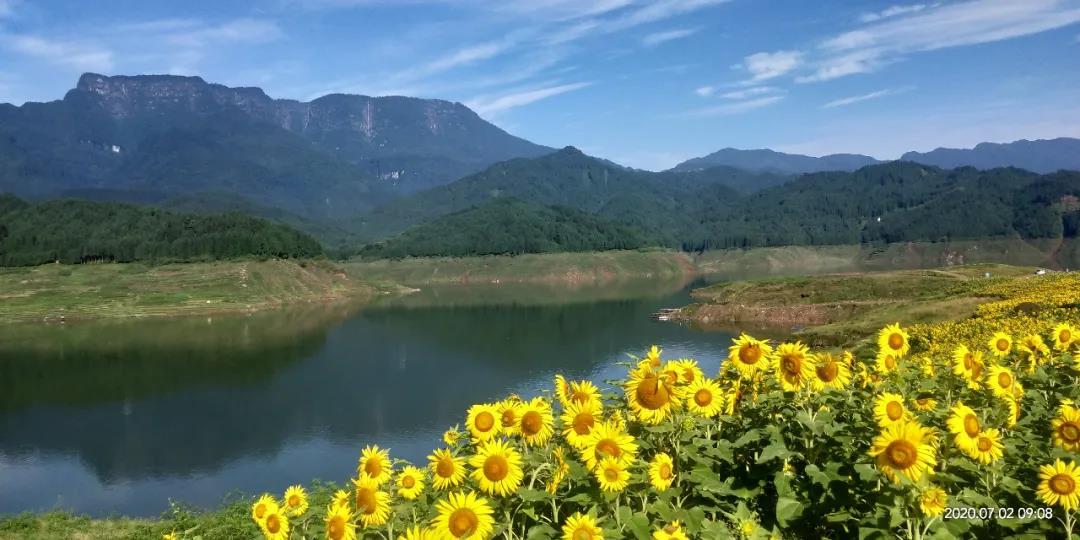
column 168, row 135
column 506, row 225
column 1041, row 156
column 776, row 162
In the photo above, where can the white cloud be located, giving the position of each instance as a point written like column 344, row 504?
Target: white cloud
column 81, row 56
column 489, row 106
column 891, row 11
column 763, row 66
column 236, row 31
column 859, row 61
column 705, row 91
column 750, row 92
column 736, row 107
column 630, row 17
column 657, row 38
column 864, row 97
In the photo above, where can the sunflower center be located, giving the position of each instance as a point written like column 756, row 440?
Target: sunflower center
column 969, row 360
column 985, row 444
column 703, row 397
column 294, row 500
column 672, row 376
column 971, row 425
column 890, row 362
column 336, row 528
column 531, row 423
column 260, row 510
column 1062, row 484
column 828, row 372
column 273, row 524
column 1004, row 380
column 750, row 354
column 365, row 500
column 583, row 423
column 976, row 370
column 373, row 468
column 791, row 364
column 1002, row 344
column 651, row 394
column 581, row 396
column 509, row 418
column 445, row 467
column 688, row 375
column 665, row 471
column 896, row 341
column 1069, row 432
column 901, row 454
column 484, row 421
column 1065, row 336
column 496, row 468
column 582, row 534
column 923, row 402
column 611, row 475
column 609, row 447
column 408, row 482
column 462, row 522
column 894, row 410
column 670, row 528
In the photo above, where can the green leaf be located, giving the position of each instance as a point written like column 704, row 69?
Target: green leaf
column 787, row 510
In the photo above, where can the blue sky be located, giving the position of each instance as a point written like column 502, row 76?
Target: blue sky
column 644, row 83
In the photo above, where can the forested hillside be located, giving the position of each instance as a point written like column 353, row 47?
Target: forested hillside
column 72, row 231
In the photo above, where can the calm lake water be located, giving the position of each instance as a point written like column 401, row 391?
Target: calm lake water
column 120, row 417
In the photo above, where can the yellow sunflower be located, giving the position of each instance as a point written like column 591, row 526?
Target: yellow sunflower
column 689, row 371
column 497, row 468
column 372, row 504
column 732, row 397
column 339, row 523
column 749, row 355
column 988, row 447
column 1014, row 412
column 893, row 340
column 831, row 373
column 904, row 450
column 794, row 366
column 1034, row 349
column 671, row 531
column 463, row 515
column 612, row 474
column 559, row 470
column 1058, row 484
column 262, row 508
column 276, row 525
column 578, row 420
column 661, row 471
column 483, row 422
column 1000, row 345
column 562, row 389
column 340, row 498
column 536, row 424
column 417, row 533
column 606, row 440
column 1001, row 381
column 933, row 501
column 889, row 410
column 451, row 436
column 1064, row 336
column 410, row 483
column 509, row 415
column 447, row 471
column 584, row 392
column 651, row 397
column 969, row 366
column 704, row 398
column 886, row 362
column 296, row 502
column 1067, row 428
column 964, row 424
column 375, row 464
column 653, row 357
column 671, row 372
column 924, row 403
column 170, row 536
column 581, row 527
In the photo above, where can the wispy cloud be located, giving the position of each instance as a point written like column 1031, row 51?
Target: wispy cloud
column 864, row 97
column 763, row 66
column 750, row 92
column 657, row 38
column 737, row 107
column 705, row 91
column 235, row 31
column 490, row 106
column 891, row 11
column 79, row 55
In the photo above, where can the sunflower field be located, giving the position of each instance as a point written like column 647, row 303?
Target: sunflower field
column 960, row 429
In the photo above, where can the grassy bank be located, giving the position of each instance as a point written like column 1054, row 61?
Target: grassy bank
column 57, row 292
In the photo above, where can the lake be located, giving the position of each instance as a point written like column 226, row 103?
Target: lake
column 120, row 417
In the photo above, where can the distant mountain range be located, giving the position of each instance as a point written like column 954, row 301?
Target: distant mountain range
column 1041, row 156
column 776, row 162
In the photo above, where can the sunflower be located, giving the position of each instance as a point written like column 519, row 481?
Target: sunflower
column 886, row 362
column 417, row 533
column 1000, row 345
column 447, row 471
column 578, row 420
column 732, row 397
column 893, row 340
column 889, row 410
column 671, row 531
column 536, row 423
column 339, row 523
column 581, row 527
column 1067, row 428
column 653, row 356
column 483, row 422
column 1001, row 381
column 704, row 398
column 651, row 397
column 562, row 389
column 988, row 447
column 965, row 425
column 1034, row 348
column 606, row 440
column 558, row 471
column 340, row 498
column 509, row 414
column 583, row 392
column 924, row 403
column 375, row 464
column 451, row 436
column 170, row 536
column 463, row 515
column 612, row 474
column 296, row 502
column 410, row 483
column 372, row 504
column 932, row 501
column 262, row 507
column 1014, row 412
column 831, row 373
column 1059, row 483
column 671, row 373
column 794, row 366
column 661, row 471
column 689, row 371
column 1064, row 336
column 276, row 525
column 904, row 449
column 969, row 366
column 497, row 468
column 749, row 355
